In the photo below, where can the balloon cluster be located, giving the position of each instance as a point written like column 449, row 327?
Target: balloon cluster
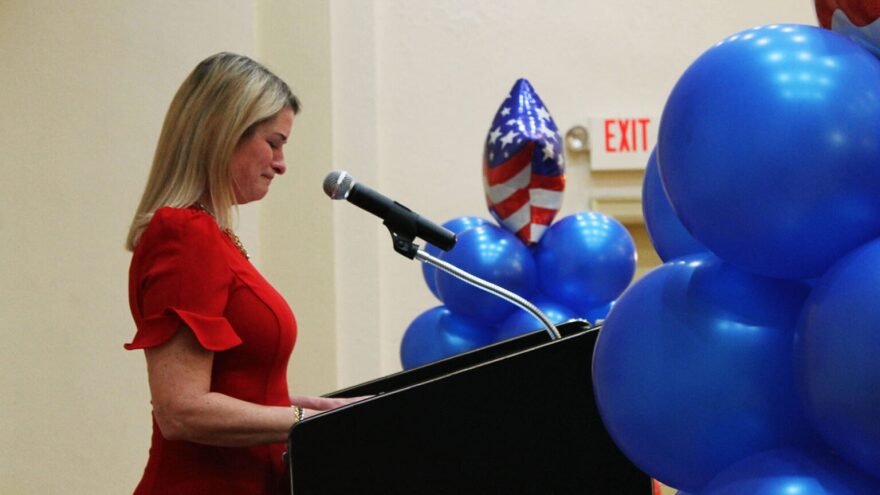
column 748, row 362
column 573, row 268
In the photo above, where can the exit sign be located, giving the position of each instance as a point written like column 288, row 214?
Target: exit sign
column 622, row 143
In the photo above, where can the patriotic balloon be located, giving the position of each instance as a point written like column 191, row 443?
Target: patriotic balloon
column 439, row 333
column 586, row 260
column 777, row 174
column 456, row 225
column 854, row 18
column 693, row 369
column 523, row 165
column 789, row 471
column 836, row 348
column 670, row 238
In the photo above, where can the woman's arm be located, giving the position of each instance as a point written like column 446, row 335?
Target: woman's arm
column 185, row 408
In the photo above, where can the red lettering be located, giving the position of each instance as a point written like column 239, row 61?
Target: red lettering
column 608, row 136
column 635, row 142
column 644, row 123
column 632, row 137
column 624, row 143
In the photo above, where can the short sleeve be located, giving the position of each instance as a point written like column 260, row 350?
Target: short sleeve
column 180, row 276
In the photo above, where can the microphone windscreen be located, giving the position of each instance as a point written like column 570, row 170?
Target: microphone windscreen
column 338, row 184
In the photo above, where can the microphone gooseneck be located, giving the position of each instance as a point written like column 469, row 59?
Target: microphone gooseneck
column 491, row 288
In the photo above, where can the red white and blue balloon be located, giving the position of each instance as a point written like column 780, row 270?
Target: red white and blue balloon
column 523, row 165
column 857, row 19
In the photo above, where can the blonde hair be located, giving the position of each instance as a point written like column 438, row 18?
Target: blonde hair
column 221, row 101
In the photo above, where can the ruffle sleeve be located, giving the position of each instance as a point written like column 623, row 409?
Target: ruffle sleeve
column 180, row 276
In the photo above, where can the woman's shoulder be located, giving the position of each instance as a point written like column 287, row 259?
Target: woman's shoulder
column 169, row 215
column 169, row 223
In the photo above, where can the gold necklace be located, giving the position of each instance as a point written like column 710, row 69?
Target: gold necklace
column 229, row 233
column 237, row 242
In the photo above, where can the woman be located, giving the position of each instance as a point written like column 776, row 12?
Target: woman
column 217, row 337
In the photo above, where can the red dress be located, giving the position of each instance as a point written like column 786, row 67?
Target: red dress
column 186, row 271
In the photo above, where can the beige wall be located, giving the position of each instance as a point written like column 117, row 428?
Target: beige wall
column 398, row 92
column 83, row 90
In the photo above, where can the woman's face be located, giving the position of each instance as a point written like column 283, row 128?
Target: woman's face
column 259, row 157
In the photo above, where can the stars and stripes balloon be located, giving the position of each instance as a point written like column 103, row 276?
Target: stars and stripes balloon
column 523, row 165
column 587, row 259
column 856, row 19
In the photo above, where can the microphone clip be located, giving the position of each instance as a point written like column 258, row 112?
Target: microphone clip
column 402, row 224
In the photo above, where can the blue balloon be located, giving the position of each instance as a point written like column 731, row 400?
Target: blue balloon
column 495, row 255
column 669, row 237
column 457, row 226
column 779, row 171
column 521, row 321
column 597, row 314
column 838, row 354
column 791, row 471
column 593, row 314
column 439, row 333
column 585, row 260
column 693, row 369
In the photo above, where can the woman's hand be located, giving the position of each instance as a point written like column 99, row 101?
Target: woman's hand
column 321, row 404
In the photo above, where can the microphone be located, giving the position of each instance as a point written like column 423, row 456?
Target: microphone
column 404, row 225
column 341, row 185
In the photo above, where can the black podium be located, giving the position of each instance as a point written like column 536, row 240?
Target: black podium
column 515, row 417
